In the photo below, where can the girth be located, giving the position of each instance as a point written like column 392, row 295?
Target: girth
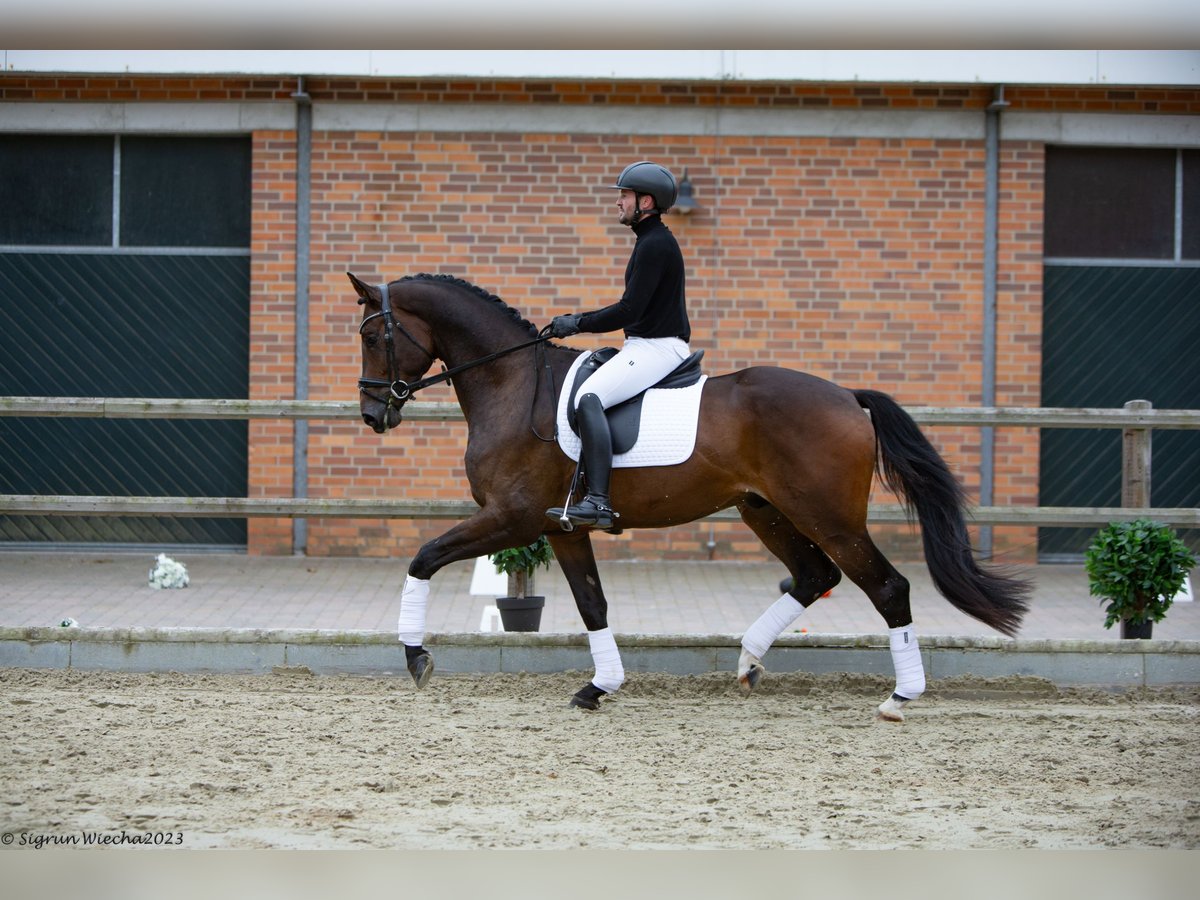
column 624, row 419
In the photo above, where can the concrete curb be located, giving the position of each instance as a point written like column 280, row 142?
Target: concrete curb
column 1121, row 664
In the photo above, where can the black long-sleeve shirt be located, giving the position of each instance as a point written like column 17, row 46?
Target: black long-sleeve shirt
column 654, row 304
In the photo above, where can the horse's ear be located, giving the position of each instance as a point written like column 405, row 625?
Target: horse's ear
column 362, row 289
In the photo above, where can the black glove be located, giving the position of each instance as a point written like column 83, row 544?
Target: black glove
column 564, row 326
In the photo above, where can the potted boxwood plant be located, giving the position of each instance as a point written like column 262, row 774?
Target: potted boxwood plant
column 520, row 610
column 1138, row 567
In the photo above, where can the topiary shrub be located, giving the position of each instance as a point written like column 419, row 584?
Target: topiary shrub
column 1138, row 567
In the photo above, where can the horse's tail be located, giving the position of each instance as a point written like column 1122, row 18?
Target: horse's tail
column 911, row 467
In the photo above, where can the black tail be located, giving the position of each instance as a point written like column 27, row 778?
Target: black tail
column 911, row 467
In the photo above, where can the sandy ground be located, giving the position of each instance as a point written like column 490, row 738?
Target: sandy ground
column 292, row 760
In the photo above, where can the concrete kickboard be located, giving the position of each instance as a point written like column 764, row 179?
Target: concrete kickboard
column 1101, row 663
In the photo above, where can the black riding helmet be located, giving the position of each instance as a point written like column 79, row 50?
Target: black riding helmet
column 650, row 178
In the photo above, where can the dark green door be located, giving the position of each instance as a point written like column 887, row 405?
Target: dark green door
column 1121, row 322
column 1114, row 334
column 127, row 276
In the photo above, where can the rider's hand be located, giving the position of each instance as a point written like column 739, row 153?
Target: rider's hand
column 564, row 326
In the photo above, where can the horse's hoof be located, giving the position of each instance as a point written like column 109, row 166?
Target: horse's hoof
column 749, row 671
column 750, row 679
column 892, row 709
column 588, row 697
column 421, row 667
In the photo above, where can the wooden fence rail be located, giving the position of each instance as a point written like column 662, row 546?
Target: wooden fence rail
column 1129, row 419
column 137, row 408
column 315, row 508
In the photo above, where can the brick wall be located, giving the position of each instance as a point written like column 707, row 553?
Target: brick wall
column 272, row 330
column 53, row 88
column 859, row 260
column 856, row 259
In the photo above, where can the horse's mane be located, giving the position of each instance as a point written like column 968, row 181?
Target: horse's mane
column 475, row 289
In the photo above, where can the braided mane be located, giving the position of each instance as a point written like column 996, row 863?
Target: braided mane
column 475, row 289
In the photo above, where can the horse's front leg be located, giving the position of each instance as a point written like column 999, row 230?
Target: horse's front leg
column 486, row 532
column 574, row 554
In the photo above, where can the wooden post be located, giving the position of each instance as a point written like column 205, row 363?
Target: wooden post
column 1135, row 460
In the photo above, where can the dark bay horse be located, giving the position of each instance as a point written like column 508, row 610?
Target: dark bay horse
column 795, row 455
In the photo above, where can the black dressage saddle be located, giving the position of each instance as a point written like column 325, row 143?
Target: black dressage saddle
column 624, row 419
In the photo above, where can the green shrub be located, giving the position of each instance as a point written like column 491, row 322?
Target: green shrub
column 519, row 563
column 1138, row 567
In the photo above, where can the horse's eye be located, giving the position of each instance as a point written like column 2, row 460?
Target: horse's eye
column 370, row 339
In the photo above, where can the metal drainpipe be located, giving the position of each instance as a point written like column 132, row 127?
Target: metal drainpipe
column 991, row 215
column 303, row 236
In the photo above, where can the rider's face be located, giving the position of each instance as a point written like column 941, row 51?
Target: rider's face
column 626, row 206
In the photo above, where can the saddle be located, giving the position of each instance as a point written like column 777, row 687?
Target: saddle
column 624, row 419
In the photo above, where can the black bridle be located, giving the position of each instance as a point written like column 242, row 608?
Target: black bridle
column 399, row 391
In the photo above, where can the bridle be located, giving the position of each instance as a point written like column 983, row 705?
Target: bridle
column 398, row 390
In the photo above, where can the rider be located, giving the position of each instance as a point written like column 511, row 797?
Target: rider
column 653, row 314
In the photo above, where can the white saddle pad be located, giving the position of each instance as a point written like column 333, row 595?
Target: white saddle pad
column 667, row 435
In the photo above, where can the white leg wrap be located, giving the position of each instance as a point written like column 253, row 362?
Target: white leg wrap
column 906, row 657
column 610, row 674
column 413, row 599
column 770, row 625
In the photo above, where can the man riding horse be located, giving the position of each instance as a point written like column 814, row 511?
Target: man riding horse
column 809, row 508
column 653, row 313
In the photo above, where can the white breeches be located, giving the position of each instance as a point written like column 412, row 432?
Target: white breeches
column 640, row 363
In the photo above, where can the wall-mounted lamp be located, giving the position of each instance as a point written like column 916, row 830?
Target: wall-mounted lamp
column 685, row 203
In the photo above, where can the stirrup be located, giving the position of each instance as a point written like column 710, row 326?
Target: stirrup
column 586, row 512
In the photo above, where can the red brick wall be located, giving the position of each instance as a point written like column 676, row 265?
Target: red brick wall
column 48, row 88
column 272, row 330
column 857, row 259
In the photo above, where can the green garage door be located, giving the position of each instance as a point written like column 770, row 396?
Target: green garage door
column 1113, row 335
column 124, row 272
column 1121, row 322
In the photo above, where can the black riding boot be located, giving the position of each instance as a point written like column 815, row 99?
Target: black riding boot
column 594, row 509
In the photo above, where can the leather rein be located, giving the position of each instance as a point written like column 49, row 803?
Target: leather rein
column 398, row 390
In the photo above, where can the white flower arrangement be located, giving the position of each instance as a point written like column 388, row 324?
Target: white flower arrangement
column 168, row 574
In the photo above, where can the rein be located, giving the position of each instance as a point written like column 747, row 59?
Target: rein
column 398, row 390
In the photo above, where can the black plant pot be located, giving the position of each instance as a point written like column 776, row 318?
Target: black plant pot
column 1136, row 631
column 520, row 613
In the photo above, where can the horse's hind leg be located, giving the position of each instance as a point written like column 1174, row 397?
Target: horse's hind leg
column 813, row 573
column 867, row 567
column 573, row 550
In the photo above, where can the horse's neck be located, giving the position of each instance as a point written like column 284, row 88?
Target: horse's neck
column 476, row 386
column 466, row 332
column 501, row 393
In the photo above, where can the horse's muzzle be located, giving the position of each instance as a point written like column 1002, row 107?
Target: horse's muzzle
column 380, row 417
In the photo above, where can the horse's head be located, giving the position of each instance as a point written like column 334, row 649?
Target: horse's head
column 392, row 356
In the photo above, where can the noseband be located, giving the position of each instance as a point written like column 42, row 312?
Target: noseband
column 399, row 391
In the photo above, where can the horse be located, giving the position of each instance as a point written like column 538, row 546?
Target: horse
column 794, row 453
